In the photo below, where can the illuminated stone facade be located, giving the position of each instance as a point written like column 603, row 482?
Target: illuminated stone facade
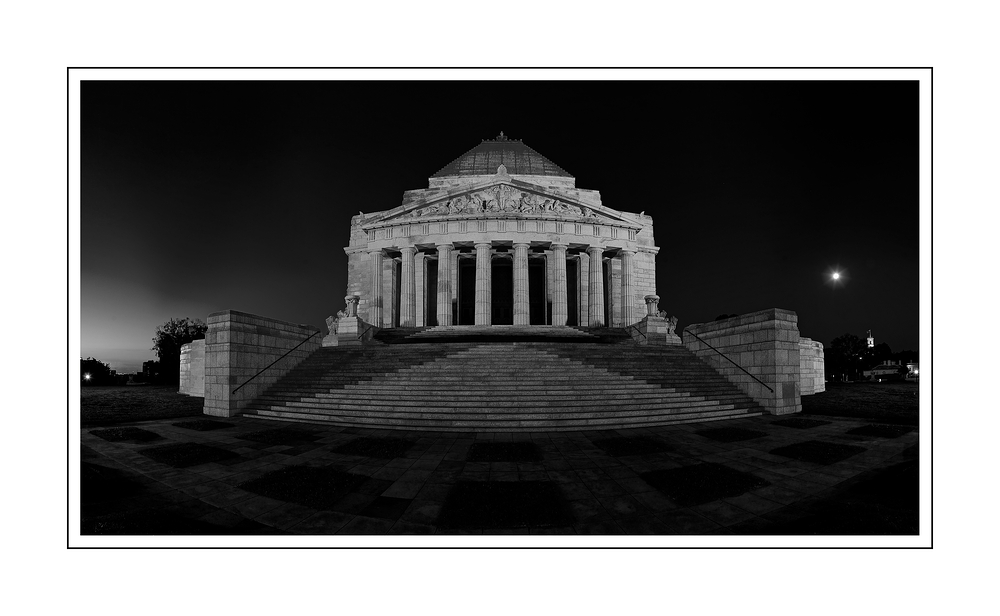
column 501, row 236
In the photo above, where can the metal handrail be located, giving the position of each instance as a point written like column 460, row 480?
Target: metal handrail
column 367, row 329
column 730, row 360
column 275, row 361
column 636, row 328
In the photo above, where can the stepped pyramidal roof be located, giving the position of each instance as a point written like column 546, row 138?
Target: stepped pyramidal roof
column 518, row 158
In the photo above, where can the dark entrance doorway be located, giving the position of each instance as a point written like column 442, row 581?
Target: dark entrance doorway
column 397, row 284
column 608, row 305
column 536, row 290
column 502, row 291
column 572, row 314
column 431, row 286
column 466, row 292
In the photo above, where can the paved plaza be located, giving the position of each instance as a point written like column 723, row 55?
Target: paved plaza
column 763, row 475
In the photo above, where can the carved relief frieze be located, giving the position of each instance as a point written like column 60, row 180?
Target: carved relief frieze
column 502, row 199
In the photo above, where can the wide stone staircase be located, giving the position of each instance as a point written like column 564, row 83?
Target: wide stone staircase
column 504, row 378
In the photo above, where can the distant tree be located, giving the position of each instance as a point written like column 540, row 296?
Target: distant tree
column 906, row 356
column 846, row 355
column 94, row 372
column 167, row 343
column 878, row 355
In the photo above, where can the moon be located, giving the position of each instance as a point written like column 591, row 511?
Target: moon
column 836, row 275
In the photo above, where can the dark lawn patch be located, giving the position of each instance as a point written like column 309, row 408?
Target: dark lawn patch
column 103, row 406
column 799, row 423
column 100, row 483
column 896, row 403
column 818, row 452
column 319, row 488
column 730, row 435
column 881, row 431
column 631, row 445
column 182, row 455
column 159, row 522
column 387, row 507
column 375, row 447
column 202, row 425
column 127, row 434
column 702, row 483
column 504, row 504
column 493, row 451
column 281, row 436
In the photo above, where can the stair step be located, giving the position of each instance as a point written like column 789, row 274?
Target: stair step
column 514, row 378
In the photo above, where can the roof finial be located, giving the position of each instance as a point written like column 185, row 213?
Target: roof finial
column 501, row 137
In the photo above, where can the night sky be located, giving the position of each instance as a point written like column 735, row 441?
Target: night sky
column 204, row 196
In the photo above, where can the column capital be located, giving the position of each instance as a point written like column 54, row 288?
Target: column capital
column 593, row 248
column 448, row 246
column 525, row 244
column 626, row 251
column 483, row 245
column 558, row 246
column 408, row 249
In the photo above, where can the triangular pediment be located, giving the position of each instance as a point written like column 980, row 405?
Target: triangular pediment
column 501, row 197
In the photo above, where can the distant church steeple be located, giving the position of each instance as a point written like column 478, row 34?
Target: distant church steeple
column 871, row 341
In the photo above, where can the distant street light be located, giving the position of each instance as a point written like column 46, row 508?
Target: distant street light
column 86, row 376
column 836, row 275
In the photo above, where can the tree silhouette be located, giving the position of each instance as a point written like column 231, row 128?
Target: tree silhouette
column 846, row 355
column 169, row 339
column 94, row 372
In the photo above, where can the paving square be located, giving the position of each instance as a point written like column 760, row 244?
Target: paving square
column 203, row 425
column 387, row 447
column 504, row 504
column 182, row 455
column 319, row 488
column 800, row 423
column 818, row 452
column 631, row 446
column 126, row 434
column 702, row 483
column 504, row 452
column 730, row 435
column 881, row 430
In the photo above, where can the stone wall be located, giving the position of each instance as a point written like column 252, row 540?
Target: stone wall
column 766, row 344
column 812, row 367
column 237, row 346
column 193, row 369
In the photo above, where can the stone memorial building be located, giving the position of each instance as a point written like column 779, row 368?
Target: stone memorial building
column 501, row 236
column 504, row 298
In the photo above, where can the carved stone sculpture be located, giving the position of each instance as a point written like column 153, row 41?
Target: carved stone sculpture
column 502, row 198
column 331, row 321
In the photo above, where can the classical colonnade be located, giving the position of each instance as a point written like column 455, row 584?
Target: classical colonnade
column 591, row 313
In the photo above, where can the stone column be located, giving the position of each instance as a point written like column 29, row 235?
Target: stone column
column 560, row 311
column 408, row 290
column 484, row 284
column 375, row 313
column 596, row 295
column 522, row 314
column 583, row 290
column 628, row 303
column 444, row 285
